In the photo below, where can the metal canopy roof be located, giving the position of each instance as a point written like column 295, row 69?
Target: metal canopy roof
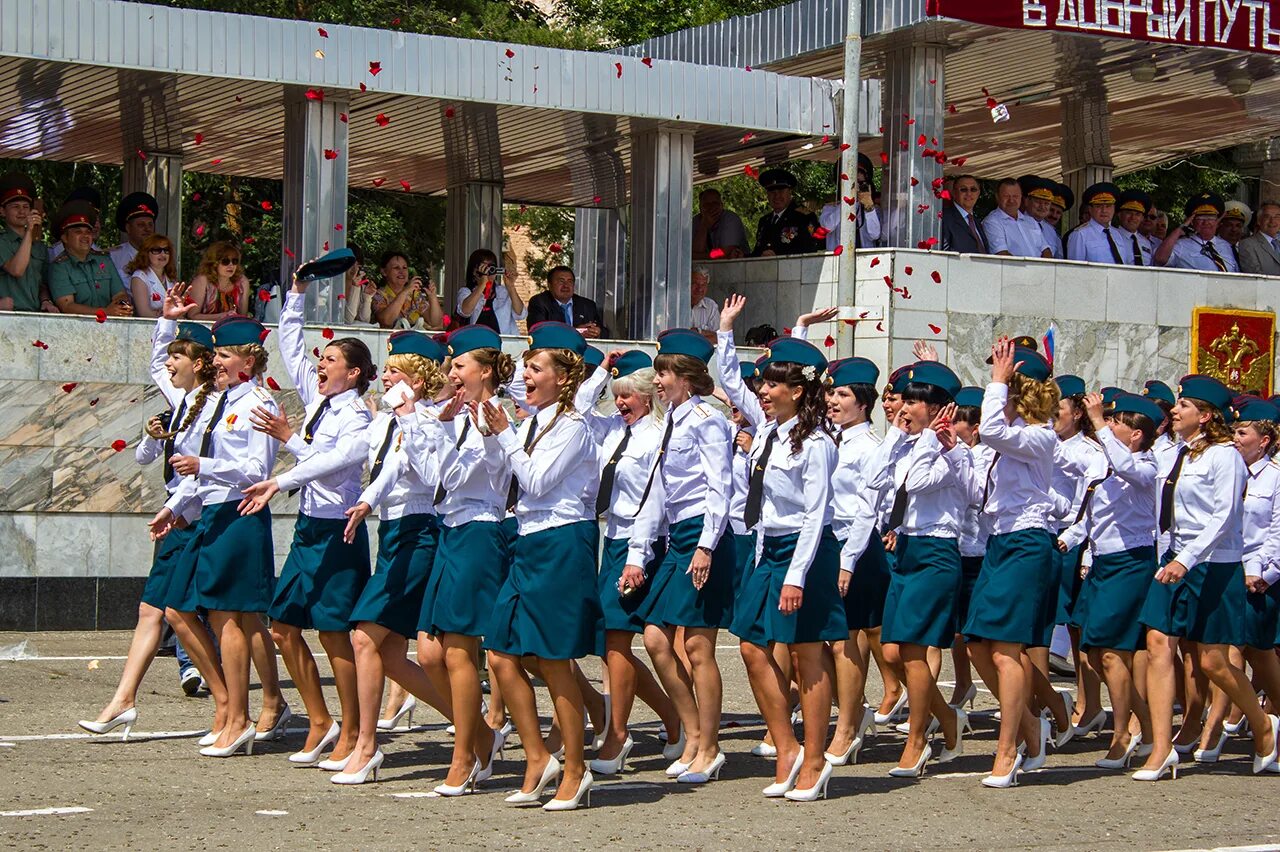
column 70, row 68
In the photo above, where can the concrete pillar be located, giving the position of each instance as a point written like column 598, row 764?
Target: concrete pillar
column 600, row 262
column 1086, row 137
column 315, row 193
column 152, row 143
column 473, row 167
column 661, row 231
column 912, row 115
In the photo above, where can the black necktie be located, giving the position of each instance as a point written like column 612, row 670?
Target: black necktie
column 207, row 442
column 376, row 468
column 657, row 465
column 1137, row 250
column 462, row 436
column 1208, row 249
column 986, row 488
column 1166, row 491
column 174, row 423
column 513, row 492
column 1088, row 495
column 309, row 433
column 755, row 488
column 977, row 235
column 605, row 495
column 1115, row 250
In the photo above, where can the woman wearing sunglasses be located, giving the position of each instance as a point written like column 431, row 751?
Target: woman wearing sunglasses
column 220, row 287
column 151, row 273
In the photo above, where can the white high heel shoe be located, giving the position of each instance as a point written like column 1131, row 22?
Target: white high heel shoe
column 705, row 776
column 310, row 758
column 778, row 789
column 614, row 766
column 1068, row 733
column 949, row 754
column 550, row 772
column 905, row 727
column 495, row 752
column 916, row 771
column 886, row 718
column 677, row 768
column 1170, row 765
column 277, row 730
column 1260, row 764
column 1031, row 764
column 968, row 698
column 1211, row 755
column 209, row 738
column 1001, row 782
column 866, row 727
column 1097, row 723
column 362, row 775
column 673, row 750
column 763, row 749
column 584, row 790
column 468, row 785
column 244, row 741
column 406, row 709
column 125, row 717
column 1122, row 762
column 329, row 765
column 817, row 791
column 1239, row 729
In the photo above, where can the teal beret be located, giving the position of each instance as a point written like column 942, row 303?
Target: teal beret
column 970, row 396
column 1208, row 390
column 684, row 341
column 749, row 371
column 631, row 361
column 1159, row 390
column 1110, row 393
column 1033, row 365
column 1070, row 385
column 852, row 371
column 936, row 374
column 593, row 356
column 196, row 333
column 793, row 350
column 898, row 379
column 557, row 335
column 1138, row 405
column 415, row 343
column 238, row 331
column 1251, row 408
column 472, row 337
column 329, row 265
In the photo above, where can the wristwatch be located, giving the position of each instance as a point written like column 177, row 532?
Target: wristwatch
column 705, row 549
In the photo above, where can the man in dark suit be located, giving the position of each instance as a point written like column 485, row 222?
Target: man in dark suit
column 1260, row 253
column 558, row 303
column 960, row 228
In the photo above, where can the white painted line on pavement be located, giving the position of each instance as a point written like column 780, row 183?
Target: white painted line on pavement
column 1264, row 847
column 33, row 658
column 154, row 735
column 46, row 812
column 272, row 813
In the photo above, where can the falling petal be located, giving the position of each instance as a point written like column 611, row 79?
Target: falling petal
column 119, row 444
column 837, row 251
column 330, row 154
column 69, row 387
column 271, row 383
column 327, row 333
column 935, row 329
column 936, row 275
column 647, row 61
column 100, row 315
column 375, row 68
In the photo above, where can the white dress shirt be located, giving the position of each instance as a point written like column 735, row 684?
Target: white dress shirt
column 730, row 369
column 552, row 473
column 832, row 216
column 156, row 288
column 1262, row 521
column 1208, row 512
column 121, row 256
column 186, row 443
column 706, row 315
column 475, row 480
column 1126, row 241
column 1119, row 513
column 1051, row 237
column 502, row 311
column 853, row 499
column 741, row 481
column 1020, row 237
column 1190, row 253
column 797, row 492
column 1090, row 242
column 1018, row 497
column 1077, row 461
column 973, row 527
column 939, row 485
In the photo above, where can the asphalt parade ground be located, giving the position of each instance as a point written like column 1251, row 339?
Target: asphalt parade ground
column 64, row 789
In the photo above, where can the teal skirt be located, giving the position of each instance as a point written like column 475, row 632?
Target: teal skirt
column 1262, row 619
column 393, row 596
column 1016, row 595
column 549, row 607
column 1069, row 583
column 1112, row 597
column 820, row 618
column 970, row 568
column 672, row 599
column 744, row 548
column 1207, row 605
column 228, row 564
column 921, row 606
column 167, row 552
column 869, row 586
column 622, row 613
column 323, row 577
column 471, row 564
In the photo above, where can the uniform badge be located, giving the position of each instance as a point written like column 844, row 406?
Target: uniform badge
column 789, row 234
column 231, row 421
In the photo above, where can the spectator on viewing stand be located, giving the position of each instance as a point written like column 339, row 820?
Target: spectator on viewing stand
column 488, row 297
column 1260, row 252
column 151, row 274
column 1063, row 200
column 136, row 219
column 404, row 301
column 91, row 195
column 358, row 290
column 22, row 254
column 83, row 280
column 960, row 229
column 706, row 314
column 558, row 303
column 787, row 229
column 868, row 218
column 1007, row 230
column 1037, row 198
column 1161, row 228
column 1147, row 229
column 1132, row 207
column 1096, row 241
column 716, row 230
column 220, row 287
column 1196, row 244
column 1233, row 226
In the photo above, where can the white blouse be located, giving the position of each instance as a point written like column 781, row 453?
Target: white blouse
column 1017, row 481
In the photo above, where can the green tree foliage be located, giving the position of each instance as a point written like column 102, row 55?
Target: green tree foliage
column 1171, row 184
column 620, row 22
column 551, row 229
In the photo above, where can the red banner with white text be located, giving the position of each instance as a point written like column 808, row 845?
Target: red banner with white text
column 1247, row 25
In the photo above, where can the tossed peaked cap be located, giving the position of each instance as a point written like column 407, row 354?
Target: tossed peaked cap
column 328, row 265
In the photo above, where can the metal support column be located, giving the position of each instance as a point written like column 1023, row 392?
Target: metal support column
column 315, row 193
column 600, row 262
column 152, row 142
column 473, row 166
column 847, row 266
column 912, row 113
column 1086, row 144
column 662, row 231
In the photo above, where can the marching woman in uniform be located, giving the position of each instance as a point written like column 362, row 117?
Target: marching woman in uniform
column 1198, row 593
column 1115, row 517
column 973, row 538
column 628, row 442
column 1016, row 592
column 692, row 588
column 548, row 607
column 1255, row 434
column 473, row 556
column 931, row 477
column 894, row 700
column 324, row 574
column 227, row 567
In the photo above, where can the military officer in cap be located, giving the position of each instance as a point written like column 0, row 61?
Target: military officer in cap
column 786, row 229
column 83, row 280
column 868, row 218
column 1063, row 200
column 1196, row 244
column 22, row 255
column 1131, row 209
column 1037, row 198
column 1234, row 225
column 136, row 219
column 81, row 193
column 1096, row 241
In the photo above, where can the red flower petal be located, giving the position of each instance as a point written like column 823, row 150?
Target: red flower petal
column 446, row 320
column 248, row 241
column 880, row 326
column 920, row 140
column 326, row 246
column 118, row 444
column 914, row 182
column 289, row 253
column 244, row 377
column 449, row 112
column 750, row 172
column 747, row 137
column 155, row 298
column 510, row 53
column 936, row 275
column 717, row 253
column 837, row 251
column 951, row 108
column 850, row 200
column 935, row 329
column 845, row 146
column 327, row 333
column 381, row 120
column 555, row 248
column 888, row 282
column 786, row 331
column 337, row 226
column 875, row 261
column 271, row 383
column 266, row 205
column 884, row 158
column 69, row 387
column 905, row 294
column 363, row 87
column 404, row 184
column 93, row 402
column 595, row 199
column 820, row 233
column 910, row 121
column 315, row 350
column 330, row 154
column 959, row 161
column 264, row 295
column 315, row 94
column 323, row 32
column 379, row 181
column 200, row 230
column 263, row 335
column 375, row 68
column 199, row 138
column 618, row 67
column 907, row 270
column 342, row 116
column 100, row 315
column 647, row 60
column 215, row 162
column 142, row 155
column 829, row 342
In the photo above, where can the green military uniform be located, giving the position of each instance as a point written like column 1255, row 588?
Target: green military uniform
column 24, row 289
column 92, row 281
